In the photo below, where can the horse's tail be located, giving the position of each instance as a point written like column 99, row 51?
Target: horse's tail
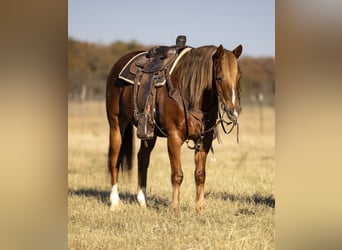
column 127, row 149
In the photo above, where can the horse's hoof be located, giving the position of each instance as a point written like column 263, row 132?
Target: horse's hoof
column 115, row 206
column 142, row 205
column 175, row 208
column 199, row 209
column 141, row 197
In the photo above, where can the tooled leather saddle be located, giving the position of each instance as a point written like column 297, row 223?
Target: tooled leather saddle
column 147, row 71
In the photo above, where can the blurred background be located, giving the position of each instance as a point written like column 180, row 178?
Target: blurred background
column 100, row 33
column 89, row 65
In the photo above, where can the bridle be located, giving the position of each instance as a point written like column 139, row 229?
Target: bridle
column 221, row 116
column 224, row 123
column 220, row 120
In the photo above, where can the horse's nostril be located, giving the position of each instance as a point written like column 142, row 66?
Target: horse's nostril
column 233, row 114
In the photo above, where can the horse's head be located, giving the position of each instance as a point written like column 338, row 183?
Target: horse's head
column 227, row 77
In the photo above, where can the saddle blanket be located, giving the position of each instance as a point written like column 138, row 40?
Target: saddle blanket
column 128, row 76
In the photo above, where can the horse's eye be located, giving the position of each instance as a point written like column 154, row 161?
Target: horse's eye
column 219, row 78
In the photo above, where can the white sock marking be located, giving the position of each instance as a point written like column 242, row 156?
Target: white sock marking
column 142, row 197
column 114, row 196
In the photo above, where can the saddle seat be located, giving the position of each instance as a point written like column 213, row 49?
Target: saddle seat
column 156, row 59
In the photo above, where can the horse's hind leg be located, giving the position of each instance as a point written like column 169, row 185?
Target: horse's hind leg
column 113, row 166
column 115, row 140
column 143, row 162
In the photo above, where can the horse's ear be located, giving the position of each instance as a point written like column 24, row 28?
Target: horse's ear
column 219, row 52
column 237, row 51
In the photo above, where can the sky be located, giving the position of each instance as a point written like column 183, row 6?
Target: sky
column 151, row 22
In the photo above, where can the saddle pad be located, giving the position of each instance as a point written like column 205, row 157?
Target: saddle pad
column 126, row 75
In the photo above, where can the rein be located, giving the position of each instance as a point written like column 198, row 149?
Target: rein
column 221, row 120
column 223, row 123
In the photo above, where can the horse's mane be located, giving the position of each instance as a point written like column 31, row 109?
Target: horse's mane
column 196, row 74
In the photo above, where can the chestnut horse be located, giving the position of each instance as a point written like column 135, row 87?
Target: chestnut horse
column 203, row 78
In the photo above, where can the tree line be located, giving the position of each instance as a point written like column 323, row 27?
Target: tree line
column 89, row 65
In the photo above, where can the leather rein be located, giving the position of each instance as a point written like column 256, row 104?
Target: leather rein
column 223, row 123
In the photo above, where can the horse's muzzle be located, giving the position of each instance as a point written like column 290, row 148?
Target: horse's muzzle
column 233, row 114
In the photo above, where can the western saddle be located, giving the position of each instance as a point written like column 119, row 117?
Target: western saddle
column 149, row 70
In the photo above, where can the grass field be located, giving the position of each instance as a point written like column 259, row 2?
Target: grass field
column 239, row 192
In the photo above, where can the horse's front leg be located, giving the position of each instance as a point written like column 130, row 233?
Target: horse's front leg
column 200, row 162
column 143, row 163
column 174, row 143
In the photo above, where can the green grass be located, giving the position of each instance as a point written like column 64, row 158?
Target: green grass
column 239, row 193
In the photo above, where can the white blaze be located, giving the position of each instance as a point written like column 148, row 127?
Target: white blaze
column 233, row 97
column 236, row 114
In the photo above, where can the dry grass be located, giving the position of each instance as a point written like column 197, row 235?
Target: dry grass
column 239, row 191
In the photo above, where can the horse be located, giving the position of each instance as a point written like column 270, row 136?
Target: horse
column 206, row 80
